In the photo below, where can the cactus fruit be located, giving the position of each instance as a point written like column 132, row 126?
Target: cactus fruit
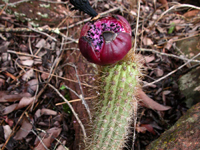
column 106, row 40
column 116, row 106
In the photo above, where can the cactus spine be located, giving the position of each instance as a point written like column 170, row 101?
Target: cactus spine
column 116, row 106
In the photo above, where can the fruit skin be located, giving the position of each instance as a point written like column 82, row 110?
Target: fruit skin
column 116, row 106
column 109, row 52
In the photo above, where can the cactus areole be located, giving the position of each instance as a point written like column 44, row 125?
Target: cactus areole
column 105, row 41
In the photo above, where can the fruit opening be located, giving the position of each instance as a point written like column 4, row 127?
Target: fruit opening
column 95, row 32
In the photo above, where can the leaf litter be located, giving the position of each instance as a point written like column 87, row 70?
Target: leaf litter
column 32, row 60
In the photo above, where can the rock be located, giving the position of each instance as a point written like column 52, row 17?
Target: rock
column 189, row 85
column 183, row 135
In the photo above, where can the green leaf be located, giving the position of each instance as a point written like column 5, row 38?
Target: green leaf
column 172, row 27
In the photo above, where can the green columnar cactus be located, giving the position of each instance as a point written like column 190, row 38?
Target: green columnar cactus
column 107, row 41
column 117, row 106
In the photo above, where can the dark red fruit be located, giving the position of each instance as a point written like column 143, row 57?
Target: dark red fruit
column 106, row 40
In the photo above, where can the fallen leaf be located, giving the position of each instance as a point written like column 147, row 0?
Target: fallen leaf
column 2, row 82
column 141, row 129
column 47, row 138
column 6, row 97
column 191, row 14
column 149, row 128
column 9, row 121
column 165, row 3
column 28, row 75
column 23, row 103
column 45, row 111
column 147, row 41
column 41, row 43
column 150, row 103
column 158, row 72
column 62, row 147
column 24, row 130
column 33, row 84
column 28, row 62
column 7, row 131
column 9, row 109
column 4, row 46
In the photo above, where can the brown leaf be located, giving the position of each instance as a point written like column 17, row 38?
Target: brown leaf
column 28, row 75
column 7, row 131
column 23, row 103
column 2, row 82
column 8, row 121
column 47, row 138
column 191, row 14
column 158, row 72
column 33, row 84
column 147, row 41
column 150, row 103
column 141, row 129
column 45, row 111
column 24, row 130
column 148, row 128
column 9, row 109
column 164, row 2
column 5, row 97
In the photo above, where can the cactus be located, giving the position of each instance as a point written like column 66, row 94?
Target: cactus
column 116, row 105
column 107, row 41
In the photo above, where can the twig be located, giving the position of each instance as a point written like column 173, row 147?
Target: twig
column 15, row 3
column 88, row 19
column 174, row 7
column 82, row 97
column 134, row 49
column 166, row 54
column 136, row 28
column 172, row 71
column 76, row 100
column 25, row 54
column 39, row 138
column 70, row 106
column 58, row 76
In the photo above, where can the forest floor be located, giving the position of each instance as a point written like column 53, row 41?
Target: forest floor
column 41, row 68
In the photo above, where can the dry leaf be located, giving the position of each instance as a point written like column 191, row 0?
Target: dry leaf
column 33, row 84
column 61, row 147
column 150, row 103
column 141, row 129
column 8, row 121
column 28, row 62
column 47, row 138
column 41, row 43
column 9, row 109
column 5, row 97
column 158, row 72
column 24, row 130
column 45, row 111
column 147, row 41
column 23, row 103
column 28, row 75
column 2, row 82
column 164, row 2
column 7, row 131
column 148, row 128
column 191, row 14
